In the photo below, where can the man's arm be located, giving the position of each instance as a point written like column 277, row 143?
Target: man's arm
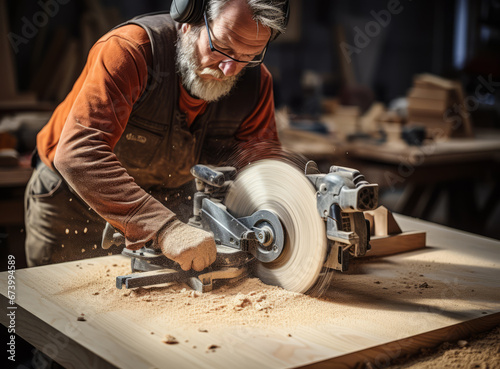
column 117, row 71
column 116, row 77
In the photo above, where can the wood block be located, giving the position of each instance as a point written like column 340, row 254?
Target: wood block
column 369, row 120
column 383, row 222
column 14, row 177
column 442, row 100
column 426, row 104
column 435, row 129
column 428, row 93
column 396, row 243
column 390, row 117
column 427, row 80
column 346, row 120
column 313, row 145
column 393, row 133
column 387, row 237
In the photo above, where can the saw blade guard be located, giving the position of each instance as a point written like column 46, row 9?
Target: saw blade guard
column 284, row 190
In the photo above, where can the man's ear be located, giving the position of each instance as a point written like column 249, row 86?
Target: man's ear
column 185, row 27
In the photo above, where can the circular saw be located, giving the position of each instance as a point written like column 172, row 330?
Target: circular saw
column 281, row 189
column 289, row 228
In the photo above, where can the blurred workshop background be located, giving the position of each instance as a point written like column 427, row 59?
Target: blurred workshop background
column 408, row 92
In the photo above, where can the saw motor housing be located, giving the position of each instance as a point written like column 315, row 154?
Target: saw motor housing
column 342, row 196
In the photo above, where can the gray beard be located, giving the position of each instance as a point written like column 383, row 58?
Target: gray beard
column 188, row 64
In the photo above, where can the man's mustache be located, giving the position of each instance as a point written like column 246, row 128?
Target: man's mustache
column 217, row 73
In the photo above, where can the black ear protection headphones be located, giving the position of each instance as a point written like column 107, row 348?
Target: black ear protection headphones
column 191, row 11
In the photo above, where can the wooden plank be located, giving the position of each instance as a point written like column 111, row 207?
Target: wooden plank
column 428, row 93
column 382, row 222
column 380, row 356
column 426, row 105
column 52, row 342
column 433, row 81
column 397, row 243
column 14, row 177
column 457, row 150
column 314, row 146
column 455, row 279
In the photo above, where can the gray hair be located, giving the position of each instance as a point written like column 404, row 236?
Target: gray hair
column 268, row 13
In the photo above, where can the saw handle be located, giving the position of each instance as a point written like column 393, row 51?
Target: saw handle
column 213, row 176
column 208, row 175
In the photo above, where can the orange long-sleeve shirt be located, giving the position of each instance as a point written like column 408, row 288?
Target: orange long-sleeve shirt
column 81, row 134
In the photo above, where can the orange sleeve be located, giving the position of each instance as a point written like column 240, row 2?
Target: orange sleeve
column 130, row 40
column 261, row 124
column 98, row 109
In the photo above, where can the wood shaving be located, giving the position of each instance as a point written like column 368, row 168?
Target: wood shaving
column 212, row 348
column 169, row 340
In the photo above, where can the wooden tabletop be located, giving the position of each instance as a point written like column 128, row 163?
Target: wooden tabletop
column 455, row 150
column 484, row 146
column 459, row 296
column 14, row 176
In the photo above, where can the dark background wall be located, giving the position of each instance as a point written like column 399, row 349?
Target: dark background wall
column 419, row 36
column 331, row 48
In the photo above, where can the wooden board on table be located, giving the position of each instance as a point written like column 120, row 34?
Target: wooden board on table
column 444, row 292
column 396, row 243
column 456, row 150
column 313, row 145
column 14, row 177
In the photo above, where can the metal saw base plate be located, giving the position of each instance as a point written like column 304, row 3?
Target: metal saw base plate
column 280, row 187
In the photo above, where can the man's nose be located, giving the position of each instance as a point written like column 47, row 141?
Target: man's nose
column 228, row 67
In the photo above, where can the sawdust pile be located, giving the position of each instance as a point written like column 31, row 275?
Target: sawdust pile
column 176, row 315
column 480, row 351
column 246, row 303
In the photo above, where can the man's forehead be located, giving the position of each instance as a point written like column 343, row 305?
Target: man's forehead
column 236, row 23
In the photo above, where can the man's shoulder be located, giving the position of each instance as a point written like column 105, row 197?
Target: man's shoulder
column 130, row 32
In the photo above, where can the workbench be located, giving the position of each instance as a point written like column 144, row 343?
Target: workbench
column 458, row 278
column 457, row 169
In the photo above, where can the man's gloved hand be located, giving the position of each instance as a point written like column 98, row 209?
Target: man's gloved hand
column 189, row 246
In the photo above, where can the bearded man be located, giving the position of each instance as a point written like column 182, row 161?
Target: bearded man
column 155, row 97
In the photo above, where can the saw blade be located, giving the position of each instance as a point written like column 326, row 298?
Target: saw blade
column 280, row 187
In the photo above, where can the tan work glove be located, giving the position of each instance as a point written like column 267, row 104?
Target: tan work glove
column 189, row 246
